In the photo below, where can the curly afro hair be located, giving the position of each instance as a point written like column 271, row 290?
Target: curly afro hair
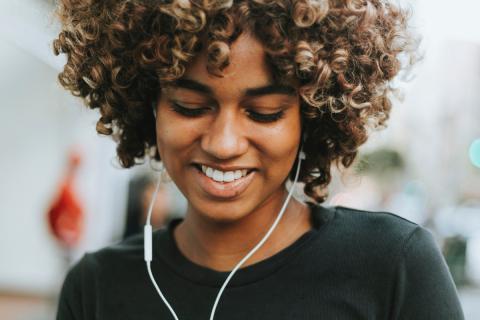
column 342, row 54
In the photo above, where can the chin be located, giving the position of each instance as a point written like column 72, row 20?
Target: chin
column 223, row 213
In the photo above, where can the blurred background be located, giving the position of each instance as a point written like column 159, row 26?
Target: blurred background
column 425, row 166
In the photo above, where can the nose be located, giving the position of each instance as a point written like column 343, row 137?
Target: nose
column 225, row 138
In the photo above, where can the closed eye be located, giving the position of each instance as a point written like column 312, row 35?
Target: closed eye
column 265, row 117
column 199, row 111
column 188, row 111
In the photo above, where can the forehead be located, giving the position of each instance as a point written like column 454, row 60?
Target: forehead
column 247, row 67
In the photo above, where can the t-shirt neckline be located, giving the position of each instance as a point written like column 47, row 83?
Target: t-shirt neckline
column 166, row 249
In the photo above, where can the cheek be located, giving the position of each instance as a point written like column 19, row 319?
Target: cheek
column 280, row 146
column 175, row 135
column 168, row 139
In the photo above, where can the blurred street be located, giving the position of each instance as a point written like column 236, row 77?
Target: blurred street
column 470, row 298
column 424, row 166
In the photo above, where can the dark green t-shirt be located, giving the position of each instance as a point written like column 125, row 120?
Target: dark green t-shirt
column 352, row 265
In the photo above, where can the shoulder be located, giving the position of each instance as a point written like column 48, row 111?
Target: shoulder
column 392, row 256
column 373, row 220
column 99, row 272
column 375, row 225
column 121, row 255
column 127, row 251
column 375, row 237
column 93, row 262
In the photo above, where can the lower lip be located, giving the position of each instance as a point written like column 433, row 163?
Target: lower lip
column 223, row 190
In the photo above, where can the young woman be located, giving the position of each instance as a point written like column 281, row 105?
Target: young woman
column 237, row 98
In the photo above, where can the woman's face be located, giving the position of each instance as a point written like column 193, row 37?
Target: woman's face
column 229, row 143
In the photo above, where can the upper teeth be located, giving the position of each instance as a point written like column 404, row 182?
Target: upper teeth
column 222, row 176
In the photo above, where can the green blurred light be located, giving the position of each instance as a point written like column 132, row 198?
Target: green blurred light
column 474, row 153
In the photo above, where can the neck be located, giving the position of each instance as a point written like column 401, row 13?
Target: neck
column 220, row 246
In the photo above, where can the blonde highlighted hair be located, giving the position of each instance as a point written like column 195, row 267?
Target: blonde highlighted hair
column 342, row 55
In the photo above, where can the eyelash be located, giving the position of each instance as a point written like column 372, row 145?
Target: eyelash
column 196, row 112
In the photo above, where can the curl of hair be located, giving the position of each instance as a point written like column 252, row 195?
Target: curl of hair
column 342, row 55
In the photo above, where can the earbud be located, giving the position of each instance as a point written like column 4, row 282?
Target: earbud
column 301, row 155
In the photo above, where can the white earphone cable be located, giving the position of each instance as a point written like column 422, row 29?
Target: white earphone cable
column 148, row 243
column 148, row 248
column 275, row 223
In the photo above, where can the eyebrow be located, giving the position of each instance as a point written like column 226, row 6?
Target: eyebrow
column 249, row 92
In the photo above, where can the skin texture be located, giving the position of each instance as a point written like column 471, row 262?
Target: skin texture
column 218, row 232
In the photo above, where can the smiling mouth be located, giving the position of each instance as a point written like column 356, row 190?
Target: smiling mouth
column 245, row 174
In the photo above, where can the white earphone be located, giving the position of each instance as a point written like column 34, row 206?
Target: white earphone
column 148, row 241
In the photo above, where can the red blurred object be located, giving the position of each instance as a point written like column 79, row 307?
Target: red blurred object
column 65, row 216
